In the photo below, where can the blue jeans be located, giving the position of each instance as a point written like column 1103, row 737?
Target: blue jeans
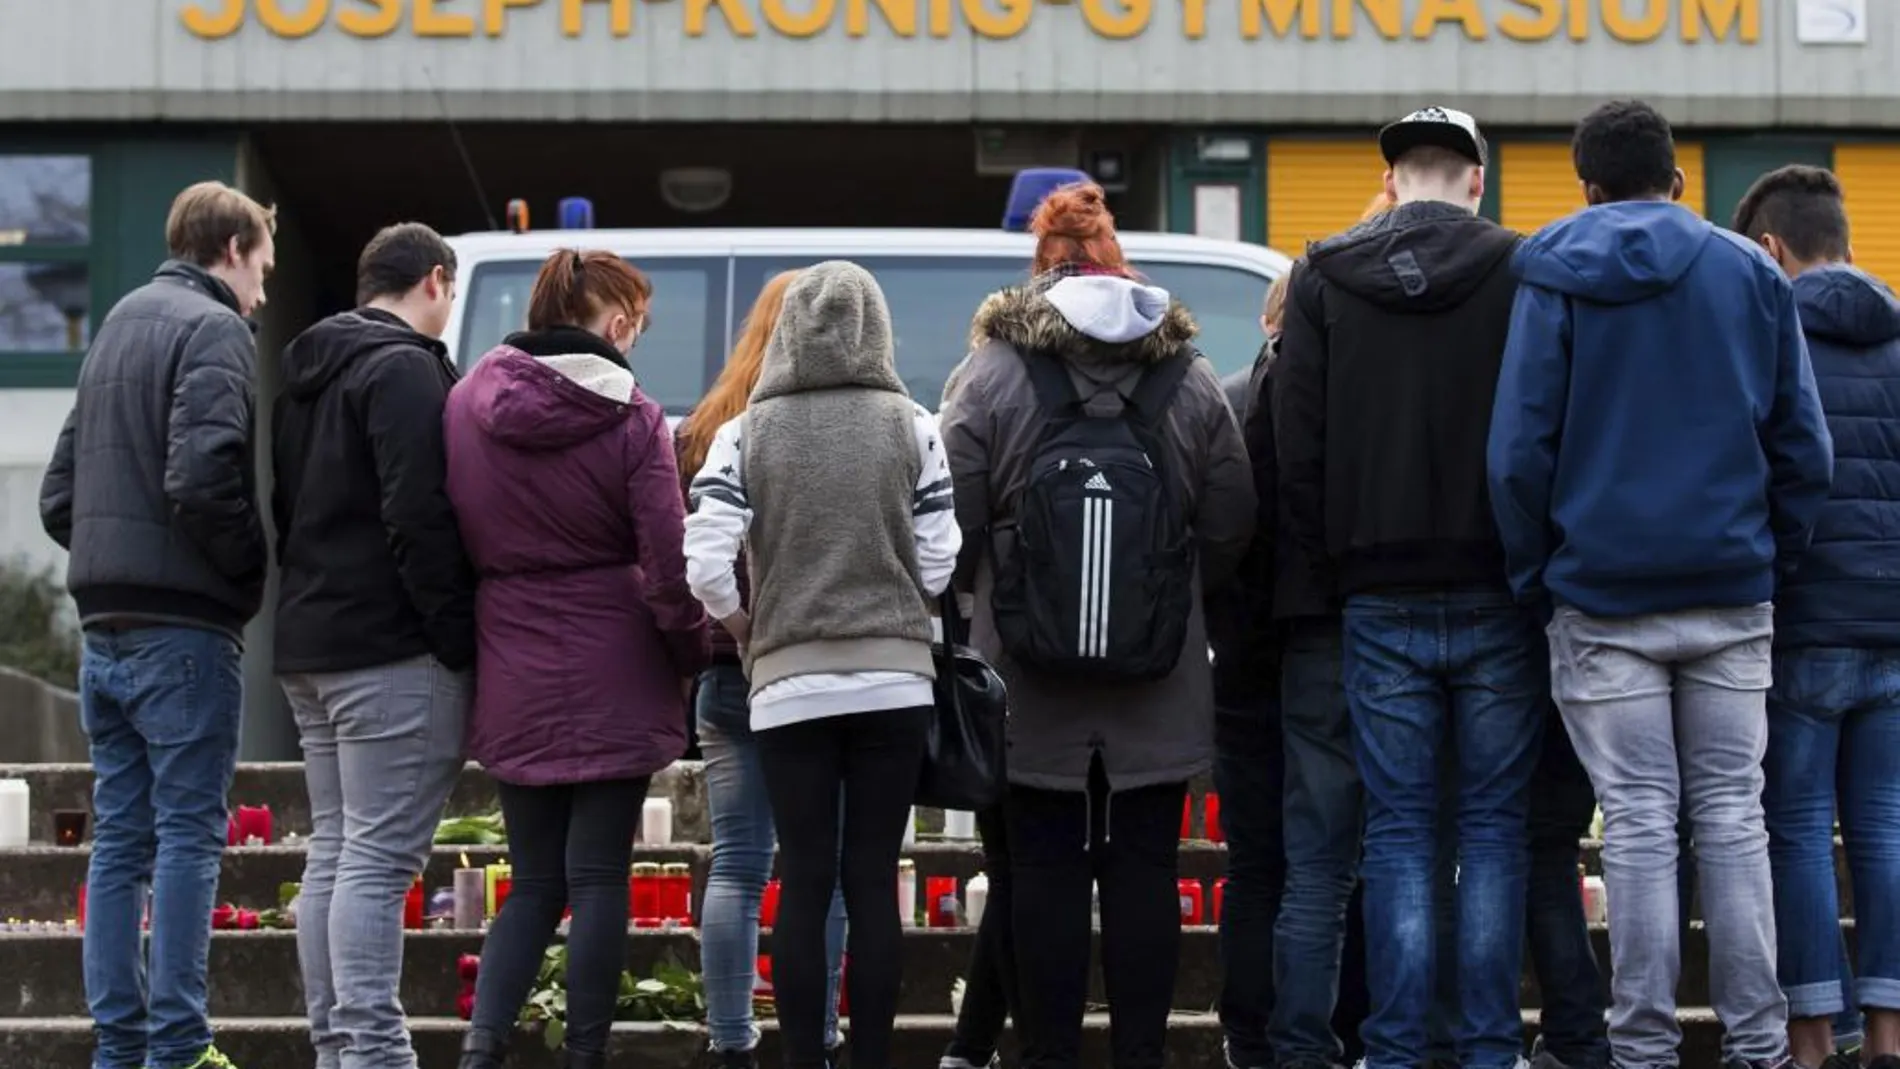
column 1834, row 723
column 1461, row 669
column 1569, row 981
column 161, row 707
column 742, row 846
column 1248, row 769
column 1322, row 824
column 382, row 750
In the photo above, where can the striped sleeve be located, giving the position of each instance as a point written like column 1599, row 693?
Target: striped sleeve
column 716, row 530
column 933, row 510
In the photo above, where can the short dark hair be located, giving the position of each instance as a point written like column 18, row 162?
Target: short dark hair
column 398, row 258
column 1625, row 149
column 1801, row 205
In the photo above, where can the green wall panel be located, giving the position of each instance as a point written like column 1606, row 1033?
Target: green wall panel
column 1186, row 170
column 1733, row 164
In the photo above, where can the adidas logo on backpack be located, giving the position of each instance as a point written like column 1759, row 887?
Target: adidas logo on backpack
column 1100, row 583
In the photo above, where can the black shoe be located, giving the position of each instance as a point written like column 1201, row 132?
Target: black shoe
column 1885, row 1061
column 732, row 1059
column 834, row 1057
column 482, row 1050
column 586, row 1061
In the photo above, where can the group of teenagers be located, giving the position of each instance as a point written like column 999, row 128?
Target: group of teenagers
column 1496, row 531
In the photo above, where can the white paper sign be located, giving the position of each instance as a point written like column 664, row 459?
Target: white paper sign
column 1831, row 22
column 1217, row 212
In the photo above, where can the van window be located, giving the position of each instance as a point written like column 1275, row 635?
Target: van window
column 686, row 321
column 933, row 298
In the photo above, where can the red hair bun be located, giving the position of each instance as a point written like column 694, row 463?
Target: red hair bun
column 1073, row 226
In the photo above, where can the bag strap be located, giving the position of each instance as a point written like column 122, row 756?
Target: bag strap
column 1157, row 386
column 1055, row 391
column 954, row 632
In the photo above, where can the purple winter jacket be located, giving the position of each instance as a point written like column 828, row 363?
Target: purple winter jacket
column 564, row 482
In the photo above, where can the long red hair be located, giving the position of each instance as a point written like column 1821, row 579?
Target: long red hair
column 733, row 388
column 1073, row 226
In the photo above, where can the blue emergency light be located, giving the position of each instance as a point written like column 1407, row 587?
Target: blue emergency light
column 1030, row 187
column 575, row 213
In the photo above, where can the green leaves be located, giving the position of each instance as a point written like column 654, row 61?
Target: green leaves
column 673, row 993
column 480, row 830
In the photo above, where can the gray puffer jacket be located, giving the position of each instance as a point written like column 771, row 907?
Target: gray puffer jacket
column 1145, row 733
column 152, row 485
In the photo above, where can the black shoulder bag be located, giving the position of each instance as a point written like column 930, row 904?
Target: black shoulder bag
column 963, row 752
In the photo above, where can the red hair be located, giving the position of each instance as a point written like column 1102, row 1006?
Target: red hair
column 1072, row 226
column 574, row 287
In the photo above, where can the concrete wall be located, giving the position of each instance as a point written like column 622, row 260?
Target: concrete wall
column 1707, row 62
column 39, row 723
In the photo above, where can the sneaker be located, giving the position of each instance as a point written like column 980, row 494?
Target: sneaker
column 951, row 1061
column 1786, row 1061
column 212, row 1059
column 731, row 1059
column 1846, row 1059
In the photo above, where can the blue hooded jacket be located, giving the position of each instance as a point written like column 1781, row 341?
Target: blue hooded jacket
column 1846, row 589
column 1657, row 443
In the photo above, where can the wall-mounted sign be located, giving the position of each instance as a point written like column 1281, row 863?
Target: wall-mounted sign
column 1217, row 212
column 1831, row 22
column 1516, row 21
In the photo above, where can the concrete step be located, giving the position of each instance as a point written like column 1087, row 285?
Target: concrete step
column 1194, row 1042
column 49, row 977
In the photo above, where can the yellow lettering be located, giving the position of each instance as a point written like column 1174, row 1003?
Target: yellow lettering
column 940, row 18
column 900, row 14
column 1388, row 17
column 793, row 24
column 380, row 23
column 1194, row 19
column 1280, row 16
column 1433, row 12
column 201, row 23
column 1646, row 27
column 1010, row 22
column 301, row 24
column 1721, row 16
column 619, row 16
column 1579, row 20
column 1119, row 25
column 495, row 14
column 429, row 22
column 1550, row 15
column 737, row 17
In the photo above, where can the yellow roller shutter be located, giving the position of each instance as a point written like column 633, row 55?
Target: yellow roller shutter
column 1316, row 188
column 1540, row 182
column 1869, row 176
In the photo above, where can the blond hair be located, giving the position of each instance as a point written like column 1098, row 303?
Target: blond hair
column 206, row 216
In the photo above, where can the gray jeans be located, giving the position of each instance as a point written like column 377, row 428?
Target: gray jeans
column 1663, row 709
column 382, row 749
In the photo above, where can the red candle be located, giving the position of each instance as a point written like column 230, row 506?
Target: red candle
column 940, row 896
column 676, row 893
column 82, row 905
column 254, row 822
column 1220, row 893
column 412, row 906
column 1213, row 818
column 1187, row 817
column 503, row 885
column 768, row 905
column 1191, row 903
column 645, row 893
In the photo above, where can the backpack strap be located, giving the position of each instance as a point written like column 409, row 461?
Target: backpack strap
column 1156, row 388
column 1055, row 391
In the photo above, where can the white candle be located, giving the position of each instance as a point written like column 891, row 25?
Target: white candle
column 976, row 896
column 656, row 821
column 910, row 828
column 907, row 892
column 15, row 810
column 959, row 824
column 471, row 898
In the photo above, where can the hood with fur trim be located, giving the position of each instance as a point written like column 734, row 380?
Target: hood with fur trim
column 1092, row 320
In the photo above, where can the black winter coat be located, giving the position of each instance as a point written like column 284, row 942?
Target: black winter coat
column 373, row 565
column 152, row 485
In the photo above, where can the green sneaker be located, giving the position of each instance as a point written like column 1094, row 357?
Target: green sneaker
column 211, row 1059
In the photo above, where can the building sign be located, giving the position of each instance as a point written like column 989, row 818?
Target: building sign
column 1625, row 21
column 1831, row 22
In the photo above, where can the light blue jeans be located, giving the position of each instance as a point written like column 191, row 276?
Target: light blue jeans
column 743, row 841
column 161, row 707
column 382, row 750
column 1669, row 710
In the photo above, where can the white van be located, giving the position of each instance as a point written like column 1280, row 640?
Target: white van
column 704, row 281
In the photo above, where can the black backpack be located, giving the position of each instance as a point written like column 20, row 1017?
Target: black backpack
column 1099, row 586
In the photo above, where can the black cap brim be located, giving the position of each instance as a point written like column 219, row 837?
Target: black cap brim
column 1402, row 137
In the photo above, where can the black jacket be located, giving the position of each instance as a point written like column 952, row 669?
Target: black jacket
column 1240, row 614
column 152, row 485
column 1382, row 395
column 372, row 559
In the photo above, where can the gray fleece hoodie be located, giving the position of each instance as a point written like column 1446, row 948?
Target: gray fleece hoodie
column 831, row 469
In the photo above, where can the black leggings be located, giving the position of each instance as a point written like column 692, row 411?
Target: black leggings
column 873, row 758
column 1128, row 844
column 989, row 996
column 571, row 845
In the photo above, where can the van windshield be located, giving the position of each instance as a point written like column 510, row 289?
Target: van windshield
column 931, row 299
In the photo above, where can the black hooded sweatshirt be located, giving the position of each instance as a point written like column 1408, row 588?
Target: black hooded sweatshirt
column 373, row 566
column 1382, row 394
